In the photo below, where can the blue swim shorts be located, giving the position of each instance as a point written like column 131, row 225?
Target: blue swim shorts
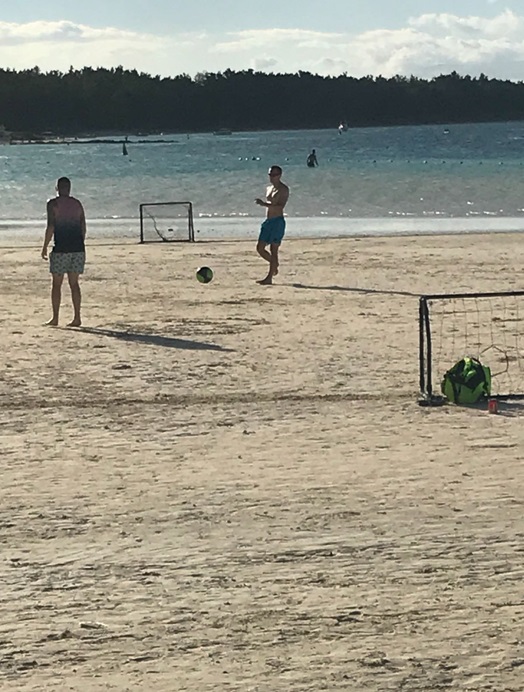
column 272, row 231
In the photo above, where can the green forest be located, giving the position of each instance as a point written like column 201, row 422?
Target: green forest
column 126, row 101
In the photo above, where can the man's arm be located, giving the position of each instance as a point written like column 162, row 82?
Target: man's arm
column 263, row 202
column 83, row 224
column 50, row 229
column 282, row 196
column 278, row 200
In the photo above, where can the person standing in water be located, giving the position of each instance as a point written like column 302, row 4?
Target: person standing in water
column 273, row 228
column 312, row 159
column 66, row 225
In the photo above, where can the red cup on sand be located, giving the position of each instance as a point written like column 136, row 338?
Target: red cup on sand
column 493, row 406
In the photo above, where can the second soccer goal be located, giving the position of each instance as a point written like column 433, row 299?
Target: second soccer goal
column 486, row 326
column 166, row 221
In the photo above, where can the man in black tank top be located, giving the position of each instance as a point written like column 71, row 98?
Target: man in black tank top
column 66, row 225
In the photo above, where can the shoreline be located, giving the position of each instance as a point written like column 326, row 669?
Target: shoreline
column 227, row 229
column 74, row 140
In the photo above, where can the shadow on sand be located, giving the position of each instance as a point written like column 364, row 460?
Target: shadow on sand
column 357, row 290
column 506, row 405
column 154, row 339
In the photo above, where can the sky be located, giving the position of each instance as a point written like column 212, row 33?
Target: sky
column 424, row 38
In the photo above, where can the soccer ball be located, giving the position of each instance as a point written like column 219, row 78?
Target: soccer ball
column 204, row 275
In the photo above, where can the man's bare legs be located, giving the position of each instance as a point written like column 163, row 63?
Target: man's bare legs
column 270, row 257
column 76, row 297
column 274, row 258
column 56, row 296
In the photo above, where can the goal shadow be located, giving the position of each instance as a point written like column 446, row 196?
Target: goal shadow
column 353, row 289
column 506, row 406
column 155, row 339
column 509, row 407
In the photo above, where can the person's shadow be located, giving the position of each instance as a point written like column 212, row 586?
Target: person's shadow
column 154, row 339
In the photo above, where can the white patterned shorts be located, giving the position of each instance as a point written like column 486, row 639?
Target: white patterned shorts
column 67, row 262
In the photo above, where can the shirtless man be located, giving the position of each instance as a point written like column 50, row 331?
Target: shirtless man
column 273, row 228
column 66, row 223
column 312, row 160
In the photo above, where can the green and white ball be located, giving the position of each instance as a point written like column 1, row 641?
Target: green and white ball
column 204, row 275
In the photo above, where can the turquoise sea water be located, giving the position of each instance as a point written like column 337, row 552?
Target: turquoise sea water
column 423, row 179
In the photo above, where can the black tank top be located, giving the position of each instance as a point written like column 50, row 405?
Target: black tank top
column 68, row 235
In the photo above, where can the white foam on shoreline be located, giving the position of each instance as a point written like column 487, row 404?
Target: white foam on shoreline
column 13, row 231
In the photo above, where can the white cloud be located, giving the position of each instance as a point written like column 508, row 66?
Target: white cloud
column 248, row 40
column 505, row 24
column 428, row 45
column 58, row 32
column 59, row 45
column 264, row 64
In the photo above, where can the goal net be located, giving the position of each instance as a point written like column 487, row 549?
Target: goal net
column 166, row 221
column 486, row 326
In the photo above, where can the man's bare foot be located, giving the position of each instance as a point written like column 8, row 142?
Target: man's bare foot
column 52, row 323
column 275, row 271
column 265, row 282
column 75, row 323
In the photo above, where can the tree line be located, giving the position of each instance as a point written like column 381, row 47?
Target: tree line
column 119, row 100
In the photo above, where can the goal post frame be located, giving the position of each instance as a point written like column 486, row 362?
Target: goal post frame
column 190, row 225
column 427, row 392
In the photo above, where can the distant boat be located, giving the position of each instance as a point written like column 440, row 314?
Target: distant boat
column 223, row 131
column 343, row 127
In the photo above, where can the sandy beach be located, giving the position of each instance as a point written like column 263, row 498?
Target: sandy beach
column 233, row 487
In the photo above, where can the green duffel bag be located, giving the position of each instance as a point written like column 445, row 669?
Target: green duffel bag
column 467, row 382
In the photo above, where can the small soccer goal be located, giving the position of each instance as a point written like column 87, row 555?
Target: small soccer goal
column 485, row 326
column 166, row 221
